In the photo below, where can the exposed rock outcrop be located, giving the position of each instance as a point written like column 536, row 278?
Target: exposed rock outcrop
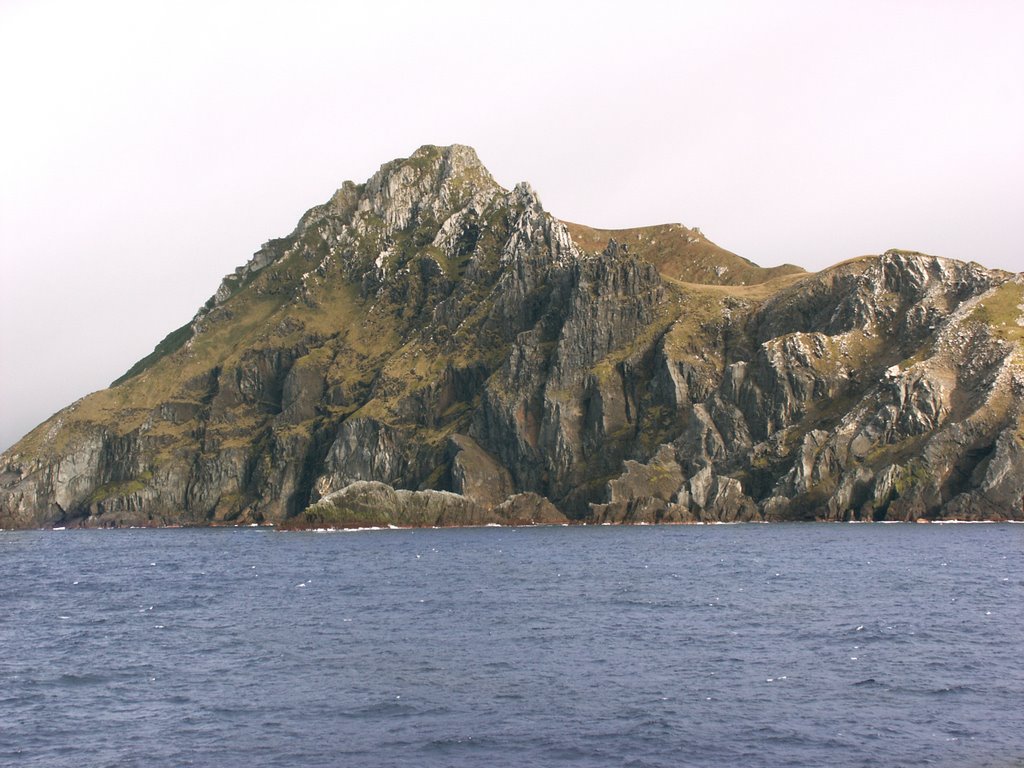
column 428, row 348
column 366, row 504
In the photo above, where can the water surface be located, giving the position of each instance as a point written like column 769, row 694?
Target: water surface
column 781, row 645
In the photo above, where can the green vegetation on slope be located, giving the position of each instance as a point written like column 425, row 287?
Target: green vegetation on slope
column 680, row 253
column 1003, row 312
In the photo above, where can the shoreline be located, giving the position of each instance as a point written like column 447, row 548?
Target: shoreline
column 278, row 529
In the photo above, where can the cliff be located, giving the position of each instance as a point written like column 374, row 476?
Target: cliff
column 429, row 348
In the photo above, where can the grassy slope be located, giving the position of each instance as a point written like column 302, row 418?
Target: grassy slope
column 252, row 319
column 1003, row 312
column 680, row 254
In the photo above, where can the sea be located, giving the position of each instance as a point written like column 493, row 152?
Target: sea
column 728, row 645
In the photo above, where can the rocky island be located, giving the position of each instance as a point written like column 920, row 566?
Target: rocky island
column 428, row 348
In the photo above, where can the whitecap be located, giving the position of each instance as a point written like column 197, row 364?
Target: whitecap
column 964, row 522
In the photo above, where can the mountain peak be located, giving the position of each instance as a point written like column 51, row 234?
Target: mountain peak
column 455, row 158
column 433, row 180
column 433, row 343
column 432, row 167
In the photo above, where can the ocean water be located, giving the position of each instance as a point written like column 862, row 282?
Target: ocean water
column 754, row 645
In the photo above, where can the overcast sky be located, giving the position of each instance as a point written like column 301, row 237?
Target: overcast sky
column 148, row 148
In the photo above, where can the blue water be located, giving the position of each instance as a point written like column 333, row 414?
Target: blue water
column 782, row 645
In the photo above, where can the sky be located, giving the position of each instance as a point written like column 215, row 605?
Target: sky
column 148, row 148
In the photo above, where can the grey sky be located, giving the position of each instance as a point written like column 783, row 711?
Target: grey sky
column 146, row 149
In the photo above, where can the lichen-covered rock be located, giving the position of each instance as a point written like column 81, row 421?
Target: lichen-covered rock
column 644, row 493
column 476, row 474
column 366, row 504
column 527, row 509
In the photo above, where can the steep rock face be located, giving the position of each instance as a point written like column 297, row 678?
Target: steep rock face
column 876, row 390
column 428, row 348
column 646, row 493
column 478, row 475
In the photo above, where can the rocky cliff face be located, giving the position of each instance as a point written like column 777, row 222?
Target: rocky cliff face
column 429, row 348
